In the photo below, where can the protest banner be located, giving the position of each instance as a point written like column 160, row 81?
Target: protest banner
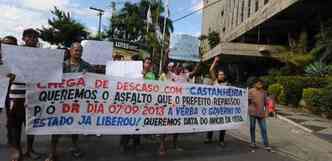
column 97, row 104
column 33, row 64
column 4, row 83
column 4, row 70
column 97, row 52
column 184, row 47
column 125, row 69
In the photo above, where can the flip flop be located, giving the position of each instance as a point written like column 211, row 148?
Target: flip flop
column 77, row 153
column 51, row 158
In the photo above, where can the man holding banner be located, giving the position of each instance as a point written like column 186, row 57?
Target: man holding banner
column 73, row 65
column 15, row 118
column 218, row 80
column 148, row 74
column 17, row 102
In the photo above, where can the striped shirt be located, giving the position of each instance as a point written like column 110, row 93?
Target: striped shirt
column 17, row 91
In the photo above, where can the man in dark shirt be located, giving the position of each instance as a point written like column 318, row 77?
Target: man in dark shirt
column 75, row 64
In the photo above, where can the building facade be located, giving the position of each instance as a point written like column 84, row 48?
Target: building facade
column 255, row 29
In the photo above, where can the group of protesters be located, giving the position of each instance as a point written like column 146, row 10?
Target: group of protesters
column 73, row 63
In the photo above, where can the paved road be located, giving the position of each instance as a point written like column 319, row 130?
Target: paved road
column 106, row 148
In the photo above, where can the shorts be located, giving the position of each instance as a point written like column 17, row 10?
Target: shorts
column 15, row 120
column 16, row 113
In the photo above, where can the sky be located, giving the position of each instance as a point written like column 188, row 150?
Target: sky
column 18, row 15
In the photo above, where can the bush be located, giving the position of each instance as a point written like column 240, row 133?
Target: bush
column 308, row 82
column 294, row 85
column 276, row 90
column 317, row 69
column 312, row 97
column 214, row 39
column 325, row 100
column 293, row 91
column 282, row 98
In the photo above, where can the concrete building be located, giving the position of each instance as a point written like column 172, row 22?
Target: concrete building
column 259, row 29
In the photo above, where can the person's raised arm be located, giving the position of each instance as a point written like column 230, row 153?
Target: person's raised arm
column 195, row 70
column 212, row 68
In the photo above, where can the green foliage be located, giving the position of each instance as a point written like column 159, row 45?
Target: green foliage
column 282, row 98
column 276, row 90
column 293, row 91
column 203, row 37
column 308, row 82
column 317, row 51
column 324, row 101
column 311, row 96
column 323, row 50
column 63, row 30
column 294, row 85
column 214, row 39
column 317, row 69
column 295, row 60
column 130, row 23
column 276, row 72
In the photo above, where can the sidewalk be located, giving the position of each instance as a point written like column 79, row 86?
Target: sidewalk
column 309, row 122
column 291, row 141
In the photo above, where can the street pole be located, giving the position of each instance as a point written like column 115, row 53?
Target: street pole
column 162, row 47
column 99, row 26
column 100, row 14
column 163, row 40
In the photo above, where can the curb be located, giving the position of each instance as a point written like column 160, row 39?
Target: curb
column 278, row 151
column 294, row 123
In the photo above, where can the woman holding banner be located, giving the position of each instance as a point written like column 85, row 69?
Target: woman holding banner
column 148, row 74
column 176, row 74
column 166, row 76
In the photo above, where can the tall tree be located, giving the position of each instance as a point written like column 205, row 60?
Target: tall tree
column 63, row 30
column 130, row 23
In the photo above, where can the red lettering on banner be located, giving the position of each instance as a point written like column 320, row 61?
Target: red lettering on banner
column 65, row 108
column 119, row 86
column 123, row 109
column 80, row 82
column 96, row 108
column 55, row 85
column 137, row 87
column 65, row 83
column 40, row 86
column 101, row 84
column 153, row 110
column 173, row 90
column 71, row 108
column 71, row 83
